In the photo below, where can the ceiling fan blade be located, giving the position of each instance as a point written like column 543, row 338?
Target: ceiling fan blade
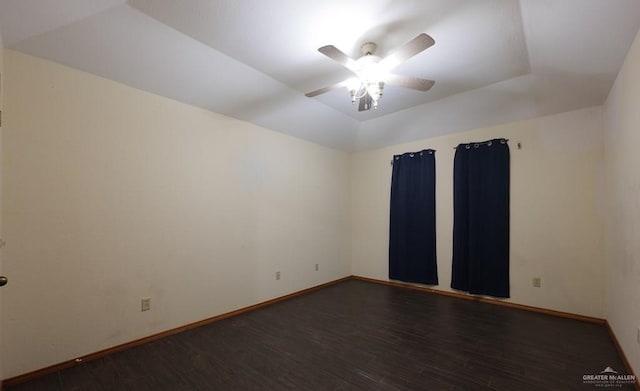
column 337, row 55
column 408, row 50
column 414, row 83
column 325, row 89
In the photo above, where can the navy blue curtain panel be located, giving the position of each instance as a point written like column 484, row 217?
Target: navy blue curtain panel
column 412, row 229
column 481, row 218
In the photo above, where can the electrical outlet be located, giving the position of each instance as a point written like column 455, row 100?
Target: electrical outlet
column 277, row 275
column 145, row 304
column 537, row 282
column 317, row 268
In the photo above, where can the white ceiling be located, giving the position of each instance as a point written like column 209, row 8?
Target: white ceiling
column 494, row 61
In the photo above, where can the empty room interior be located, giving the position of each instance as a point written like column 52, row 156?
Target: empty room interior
column 328, row 195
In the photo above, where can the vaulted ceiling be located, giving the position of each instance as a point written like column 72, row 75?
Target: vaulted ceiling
column 494, row 61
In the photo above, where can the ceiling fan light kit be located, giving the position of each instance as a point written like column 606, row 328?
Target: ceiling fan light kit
column 372, row 73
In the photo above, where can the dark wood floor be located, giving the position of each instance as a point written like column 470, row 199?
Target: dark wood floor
column 360, row 336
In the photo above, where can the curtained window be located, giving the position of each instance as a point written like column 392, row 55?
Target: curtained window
column 412, row 229
column 481, row 218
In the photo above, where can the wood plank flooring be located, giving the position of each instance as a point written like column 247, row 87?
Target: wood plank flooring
column 359, row 336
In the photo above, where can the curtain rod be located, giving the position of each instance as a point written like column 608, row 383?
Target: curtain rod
column 506, row 140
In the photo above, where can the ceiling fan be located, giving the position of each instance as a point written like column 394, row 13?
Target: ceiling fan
column 372, row 73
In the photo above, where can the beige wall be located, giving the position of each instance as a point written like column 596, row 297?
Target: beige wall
column 556, row 228
column 114, row 194
column 622, row 229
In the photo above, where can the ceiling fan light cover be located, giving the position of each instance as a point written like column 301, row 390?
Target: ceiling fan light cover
column 353, row 84
column 371, row 71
